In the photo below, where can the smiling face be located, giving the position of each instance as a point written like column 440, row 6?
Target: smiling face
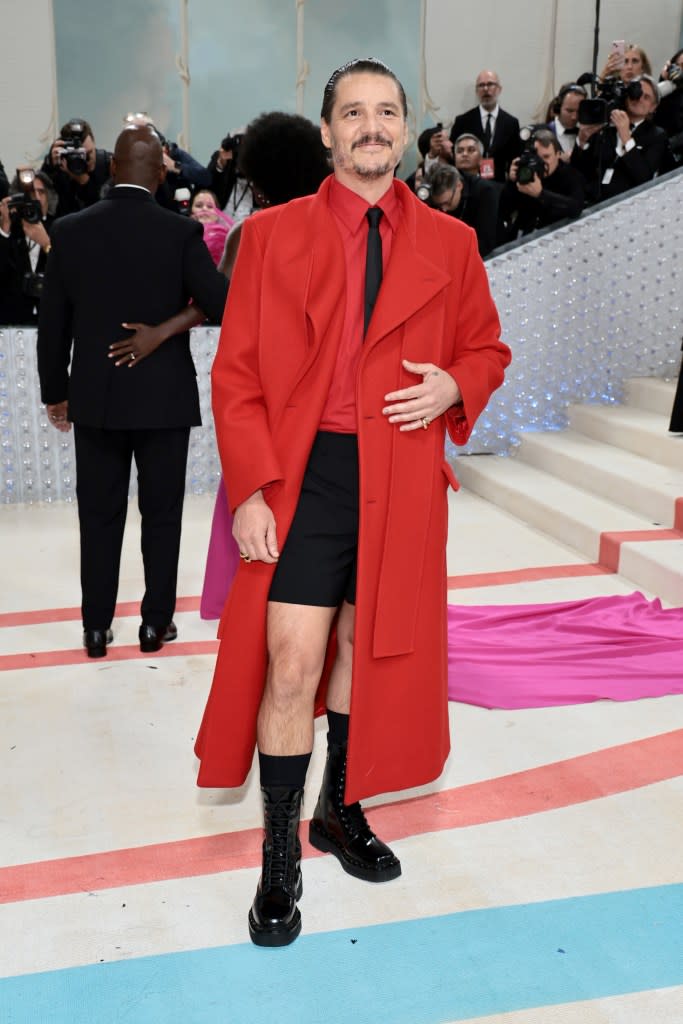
column 367, row 130
column 204, row 208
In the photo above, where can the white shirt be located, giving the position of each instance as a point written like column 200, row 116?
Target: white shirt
column 484, row 114
column 567, row 141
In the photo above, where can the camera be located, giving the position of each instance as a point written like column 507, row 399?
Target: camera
column 674, row 73
column 22, row 205
column 73, row 152
column 32, row 284
column 612, row 94
column 530, row 163
column 232, row 142
column 424, row 192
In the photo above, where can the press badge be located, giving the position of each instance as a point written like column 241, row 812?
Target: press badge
column 486, row 168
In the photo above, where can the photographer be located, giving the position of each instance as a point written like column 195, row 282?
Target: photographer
column 25, row 223
column 618, row 145
column 669, row 115
column 78, row 170
column 228, row 185
column 469, row 198
column 541, row 188
column 4, row 184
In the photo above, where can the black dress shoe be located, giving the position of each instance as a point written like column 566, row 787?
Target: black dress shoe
column 342, row 829
column 152, row 637
column 95, row 641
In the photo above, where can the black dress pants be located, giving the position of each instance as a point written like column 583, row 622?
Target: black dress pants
column 103, row 464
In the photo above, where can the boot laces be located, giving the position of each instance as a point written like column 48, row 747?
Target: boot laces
column 279, row 866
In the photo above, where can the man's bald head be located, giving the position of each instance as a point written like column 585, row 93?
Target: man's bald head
column 138, row 157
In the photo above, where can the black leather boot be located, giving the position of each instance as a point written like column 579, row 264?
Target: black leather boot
column 342, row 829
column 274, row 918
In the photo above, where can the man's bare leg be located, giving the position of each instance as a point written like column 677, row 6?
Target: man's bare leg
column 297, row 641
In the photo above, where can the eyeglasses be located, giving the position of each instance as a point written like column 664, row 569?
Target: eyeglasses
column 488, row 85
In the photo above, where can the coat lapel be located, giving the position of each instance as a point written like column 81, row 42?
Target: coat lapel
column 412, row 278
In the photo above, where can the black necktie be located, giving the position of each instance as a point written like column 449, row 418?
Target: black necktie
column 373, row 262
column 487, row 135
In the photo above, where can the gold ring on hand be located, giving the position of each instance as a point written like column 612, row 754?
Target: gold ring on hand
column 425, row 422
column 244, row 556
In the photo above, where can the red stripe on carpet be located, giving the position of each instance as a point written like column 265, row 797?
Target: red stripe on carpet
column 542, row 572
column 77, row 656
column 549, row 787
column 610, row 543
column 123, row 610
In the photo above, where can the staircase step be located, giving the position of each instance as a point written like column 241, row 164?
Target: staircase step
column 647, row 488
column 635, row 430
column 650, row 393
column 575, row 518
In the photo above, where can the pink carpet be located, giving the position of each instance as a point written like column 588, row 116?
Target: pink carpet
column 572, row 652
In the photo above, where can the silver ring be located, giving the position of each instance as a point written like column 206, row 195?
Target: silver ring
column 132, row 356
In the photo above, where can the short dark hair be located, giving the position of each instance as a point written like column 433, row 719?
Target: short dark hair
column 358, row 66
column 67, row 130
column 283, row 156
column 443, row 178
column 547, row 138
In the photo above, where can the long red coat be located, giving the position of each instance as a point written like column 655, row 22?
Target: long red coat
column 271, row 375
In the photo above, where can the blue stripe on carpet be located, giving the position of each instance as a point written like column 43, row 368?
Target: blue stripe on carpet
column 412, row 972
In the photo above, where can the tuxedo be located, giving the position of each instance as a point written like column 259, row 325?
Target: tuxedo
column 16, row 306
column 125, row 259
column 505, row 143
column 635, row 167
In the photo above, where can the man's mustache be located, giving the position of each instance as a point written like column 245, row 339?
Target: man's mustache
column 372, row 140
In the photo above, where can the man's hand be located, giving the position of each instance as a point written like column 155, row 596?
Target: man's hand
column 586, row 131
column 532, row 188
column 622, row 123
column 36, row 233
column 417, row 406
column 56, row 154
column 130, row 351
column 5, row 222
column 514, row 170
column 57, row 415
column 254, row 530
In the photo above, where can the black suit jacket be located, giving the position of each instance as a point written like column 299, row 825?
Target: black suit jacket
column 123, row 259
column 637, row 166
column 505, row 144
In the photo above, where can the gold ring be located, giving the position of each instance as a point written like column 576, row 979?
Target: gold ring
column 244, row 556
column 425, row 422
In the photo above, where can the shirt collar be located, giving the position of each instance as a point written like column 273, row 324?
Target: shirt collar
column 485, row 113
column 351, row 208
column 141, row 187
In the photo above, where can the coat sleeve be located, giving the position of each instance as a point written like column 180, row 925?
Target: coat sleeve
column 479, row 357
column 243, row 433
column 54, row 328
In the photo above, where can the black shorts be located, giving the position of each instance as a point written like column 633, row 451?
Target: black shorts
column 317, row 565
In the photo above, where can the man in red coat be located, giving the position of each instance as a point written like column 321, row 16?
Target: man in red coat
column 332, row 395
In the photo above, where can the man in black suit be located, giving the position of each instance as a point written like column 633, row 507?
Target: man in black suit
column 498, row 130
column 126, row 259
column 627, row 151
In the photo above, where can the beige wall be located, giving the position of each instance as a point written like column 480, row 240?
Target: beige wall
column 27, row 82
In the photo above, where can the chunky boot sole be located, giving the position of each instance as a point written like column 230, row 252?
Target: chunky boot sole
column 326, row 844
column 278, row 935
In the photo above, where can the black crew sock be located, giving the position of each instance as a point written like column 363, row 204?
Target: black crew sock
column 338, row 728
column 287, row 771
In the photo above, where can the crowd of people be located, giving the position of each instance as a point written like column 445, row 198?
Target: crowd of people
column 601, row 136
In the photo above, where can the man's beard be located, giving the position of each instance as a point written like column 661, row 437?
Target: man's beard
column 369, row 172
